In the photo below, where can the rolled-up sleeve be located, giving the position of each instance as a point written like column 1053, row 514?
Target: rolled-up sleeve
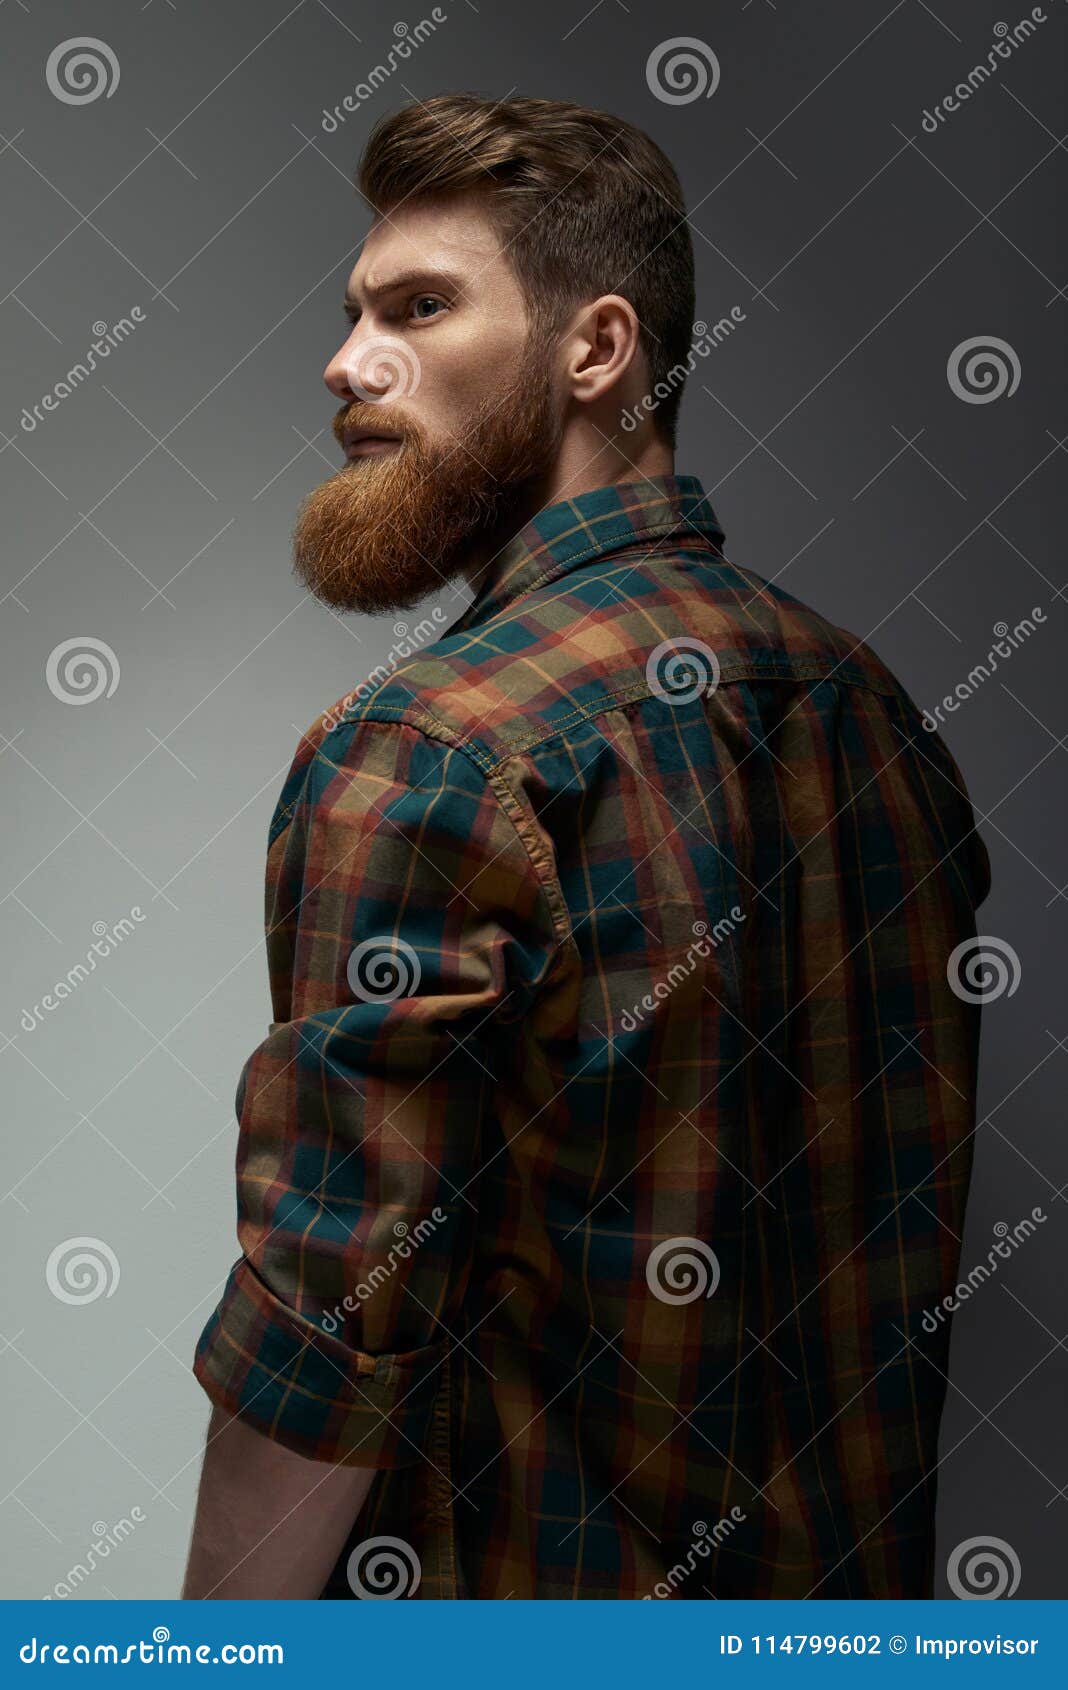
column 418, row 919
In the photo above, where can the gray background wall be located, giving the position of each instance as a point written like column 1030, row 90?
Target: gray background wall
column 151, row 509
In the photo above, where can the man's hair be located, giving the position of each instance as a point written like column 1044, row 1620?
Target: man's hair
column 583, row 203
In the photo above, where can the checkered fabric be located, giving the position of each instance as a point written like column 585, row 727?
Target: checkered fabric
column 613, row 1131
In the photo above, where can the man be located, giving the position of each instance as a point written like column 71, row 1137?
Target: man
column 613, row 1133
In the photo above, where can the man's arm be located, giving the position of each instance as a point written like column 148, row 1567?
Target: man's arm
column 411, row 915
column 269, row 1524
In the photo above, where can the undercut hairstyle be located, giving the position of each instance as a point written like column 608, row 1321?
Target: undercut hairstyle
column 583, row 203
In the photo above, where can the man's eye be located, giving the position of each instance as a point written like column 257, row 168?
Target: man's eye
column 421, row 302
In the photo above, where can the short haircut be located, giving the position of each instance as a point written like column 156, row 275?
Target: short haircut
column 583, row 203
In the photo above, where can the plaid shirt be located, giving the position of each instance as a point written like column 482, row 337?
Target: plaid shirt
column 613, row 1133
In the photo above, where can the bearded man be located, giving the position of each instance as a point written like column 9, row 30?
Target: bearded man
column 611, row 1139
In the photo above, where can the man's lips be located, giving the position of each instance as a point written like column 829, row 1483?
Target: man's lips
column 369, row 445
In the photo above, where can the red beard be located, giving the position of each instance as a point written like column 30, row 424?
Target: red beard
column 386, row 530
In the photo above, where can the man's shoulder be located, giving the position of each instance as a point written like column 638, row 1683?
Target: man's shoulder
column 448, row 695
column 598, row 639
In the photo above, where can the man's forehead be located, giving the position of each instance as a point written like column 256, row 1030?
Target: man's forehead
column 457, row 242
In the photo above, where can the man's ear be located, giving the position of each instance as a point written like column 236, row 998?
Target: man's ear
column 600, row 347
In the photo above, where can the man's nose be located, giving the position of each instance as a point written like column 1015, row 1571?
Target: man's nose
column 360, row 369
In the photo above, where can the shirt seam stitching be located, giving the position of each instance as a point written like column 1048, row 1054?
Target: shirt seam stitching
column 421, row 720
column 637, row 690
column 431, row 727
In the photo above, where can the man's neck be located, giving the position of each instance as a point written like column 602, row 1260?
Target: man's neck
column 571, row 474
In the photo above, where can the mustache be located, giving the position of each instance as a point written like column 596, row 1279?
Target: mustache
column 377, row 418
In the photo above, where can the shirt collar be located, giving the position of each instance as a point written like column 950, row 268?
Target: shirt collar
column 573, row 531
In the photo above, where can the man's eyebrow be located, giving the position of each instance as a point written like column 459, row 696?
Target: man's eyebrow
column 443, row 279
